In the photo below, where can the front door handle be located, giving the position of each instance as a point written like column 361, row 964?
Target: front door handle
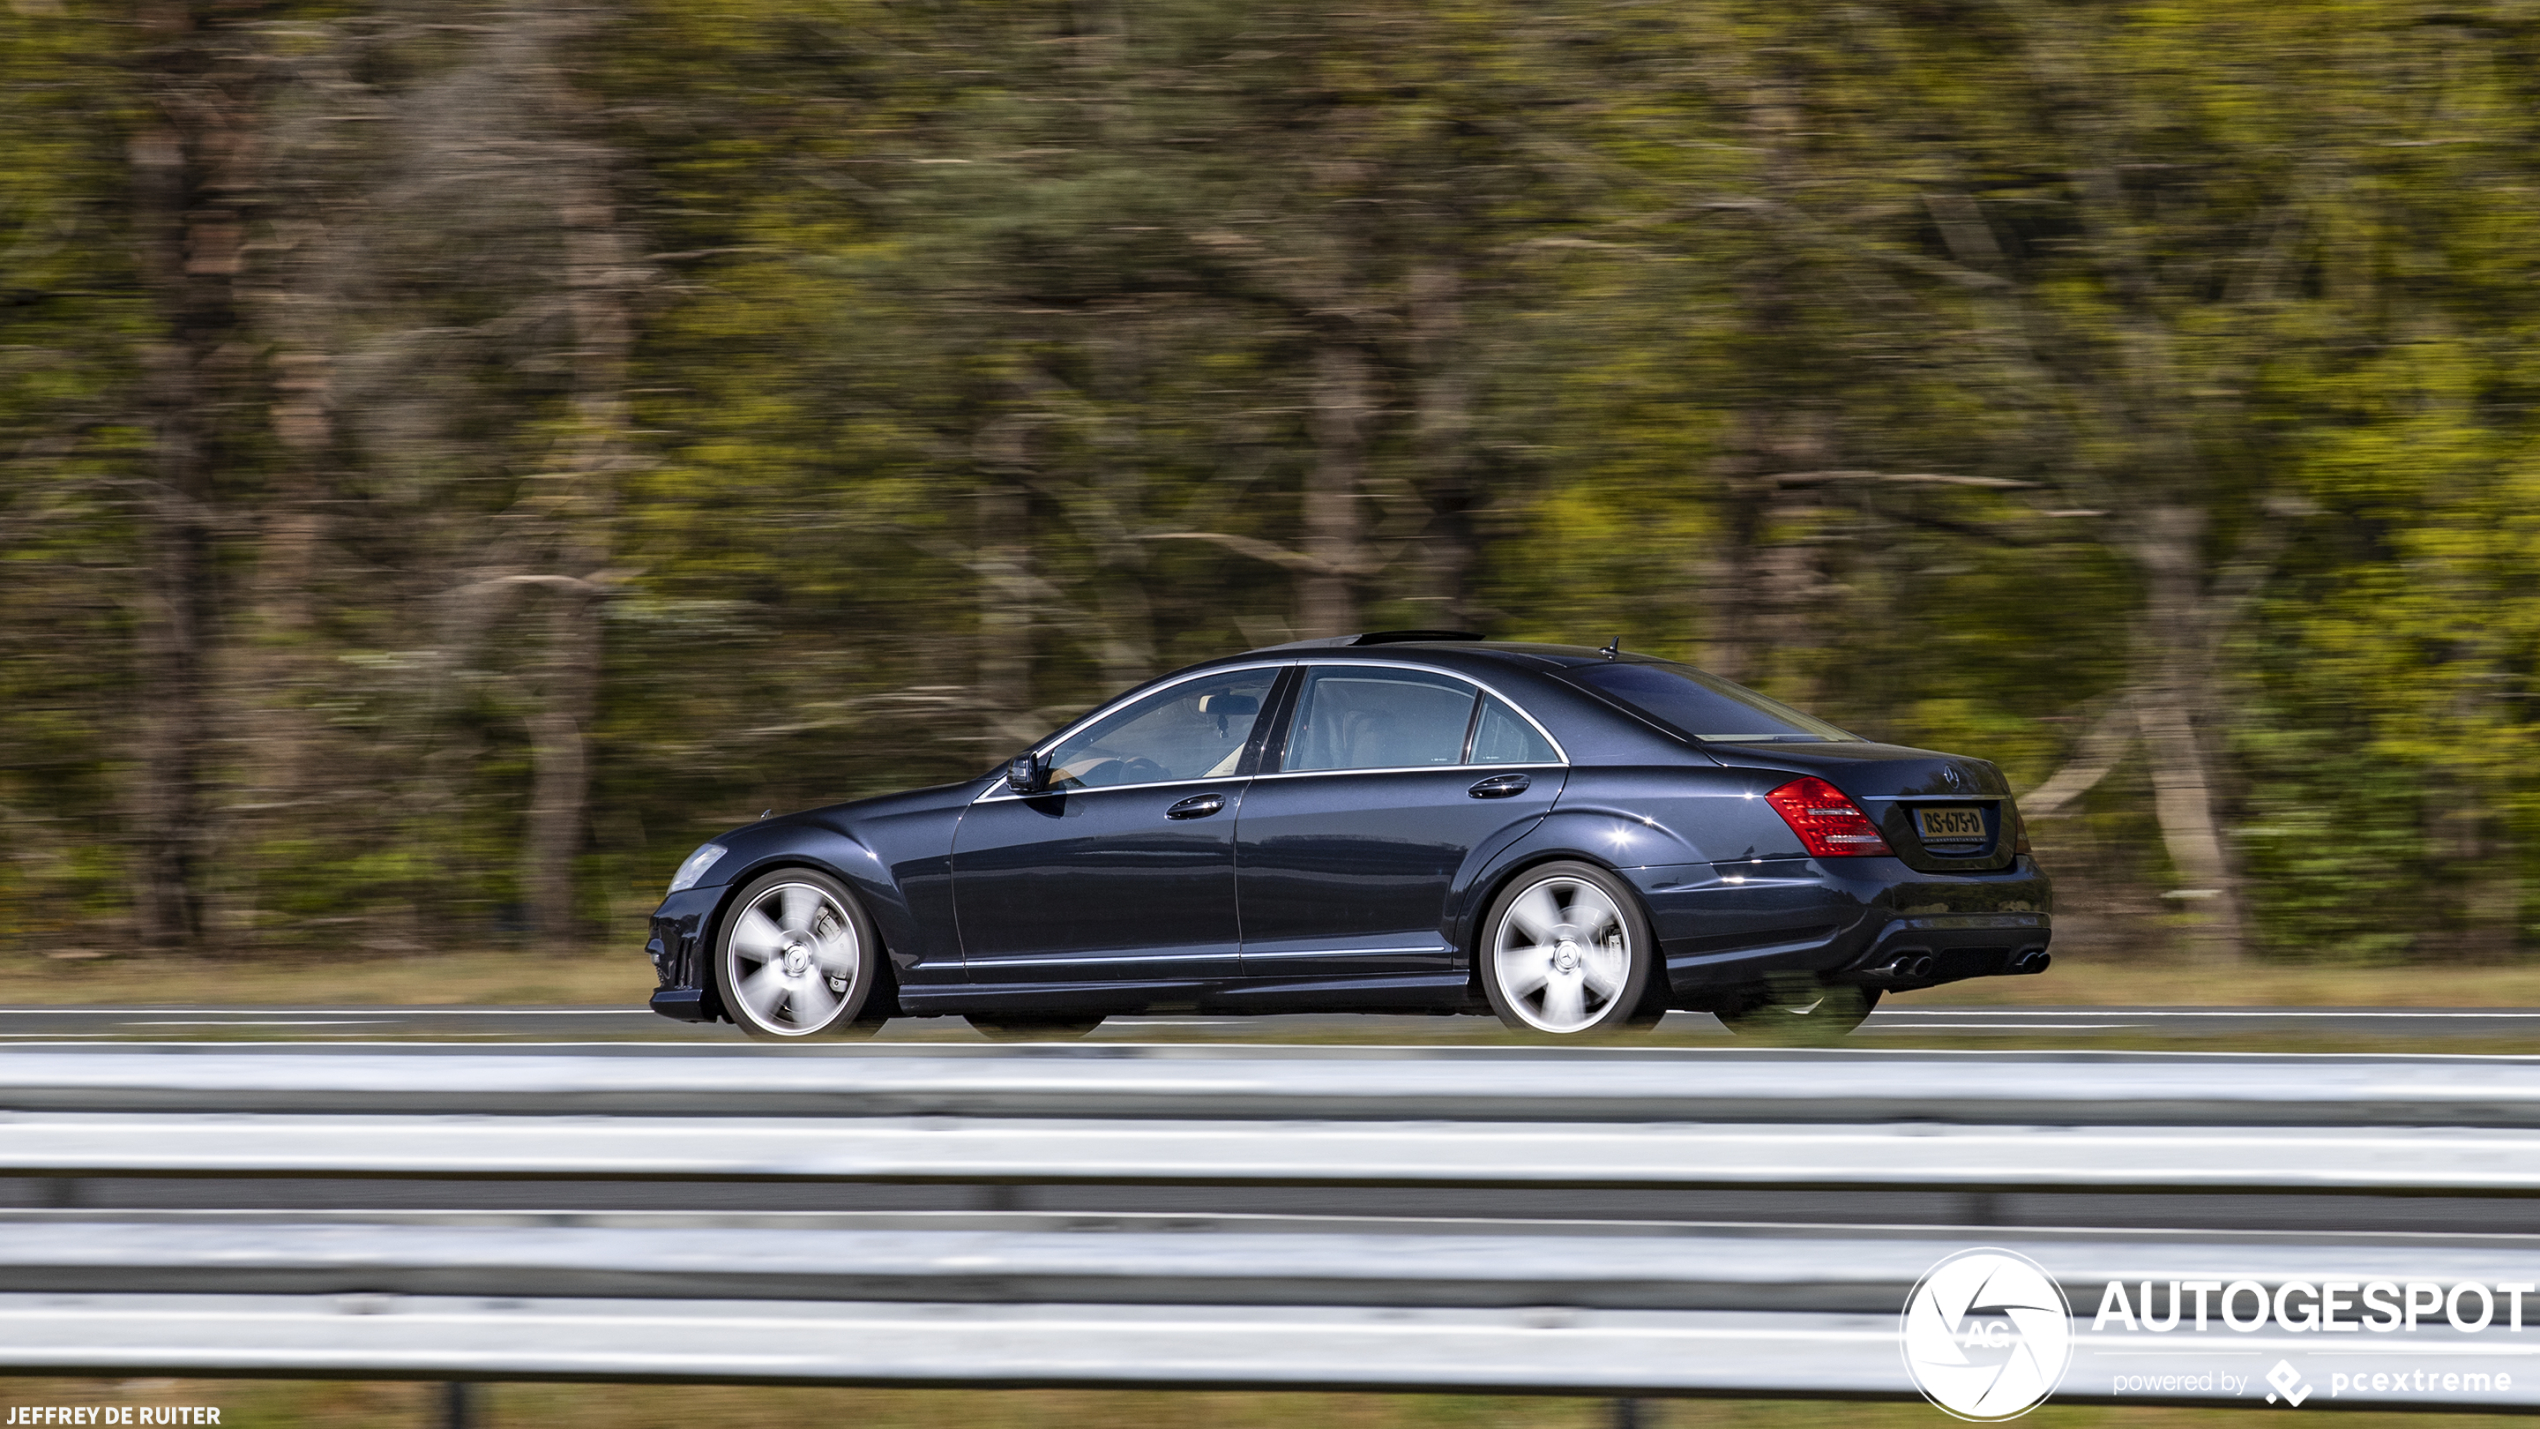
column 1500, row 786
column 1198, row 806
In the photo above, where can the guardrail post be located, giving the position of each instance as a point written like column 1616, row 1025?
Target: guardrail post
column 458, row 1404
column 1627, row 1415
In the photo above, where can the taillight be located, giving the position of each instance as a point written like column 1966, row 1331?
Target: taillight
column 2019, row 844
column 1831, row 825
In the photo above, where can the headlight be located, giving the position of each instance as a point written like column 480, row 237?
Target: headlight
column 695, row 868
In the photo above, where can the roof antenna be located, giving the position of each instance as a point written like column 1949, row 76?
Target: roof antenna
column 1612, row 648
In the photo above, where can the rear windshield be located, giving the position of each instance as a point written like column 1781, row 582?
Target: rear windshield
column 1704, row 706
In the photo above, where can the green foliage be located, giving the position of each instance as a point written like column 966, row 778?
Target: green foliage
column 982, row 365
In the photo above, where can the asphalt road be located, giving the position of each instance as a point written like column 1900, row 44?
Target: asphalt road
column 2081, row 1026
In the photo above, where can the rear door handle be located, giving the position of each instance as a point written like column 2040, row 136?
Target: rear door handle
column 1500, row 786
column 1198, row 806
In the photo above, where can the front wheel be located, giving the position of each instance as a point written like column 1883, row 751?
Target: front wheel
column 797, row 957
column 1567, row 950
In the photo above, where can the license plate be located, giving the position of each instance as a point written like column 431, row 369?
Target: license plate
column 1950, row 825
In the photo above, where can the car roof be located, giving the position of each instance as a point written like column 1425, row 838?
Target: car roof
column 1433, row 643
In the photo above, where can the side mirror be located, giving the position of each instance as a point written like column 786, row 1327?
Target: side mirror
column 1024, row 773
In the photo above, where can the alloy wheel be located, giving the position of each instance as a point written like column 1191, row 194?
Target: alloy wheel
column 1562, row 954
column 792, row 958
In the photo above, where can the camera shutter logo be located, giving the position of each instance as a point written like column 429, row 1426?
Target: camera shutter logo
column 1988, row 1334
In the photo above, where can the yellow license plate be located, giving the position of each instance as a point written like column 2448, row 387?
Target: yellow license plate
column 1949, row 825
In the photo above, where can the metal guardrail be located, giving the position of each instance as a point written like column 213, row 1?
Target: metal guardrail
column 1564, row 1084
column 961, row 1258
column 1058, row 1150
column 1378, row 1303
column 1434, row 1308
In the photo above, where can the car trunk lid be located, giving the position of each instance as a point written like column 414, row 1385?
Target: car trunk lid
column 1941, row 813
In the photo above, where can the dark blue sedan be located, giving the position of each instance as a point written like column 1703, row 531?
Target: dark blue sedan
column 1575, row 840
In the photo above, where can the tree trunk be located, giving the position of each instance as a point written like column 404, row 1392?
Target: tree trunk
column 2174, row 718
column 1004, row 570
column 1730, row 572
column 185, row 179
column 1335, row 511
column 598, row 271
column 1737, row 600
column 1443, row 577
column 560, row 761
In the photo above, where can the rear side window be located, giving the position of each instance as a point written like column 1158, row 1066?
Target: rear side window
column 1357, row 717
column 1504, row 737
column 1704, row 706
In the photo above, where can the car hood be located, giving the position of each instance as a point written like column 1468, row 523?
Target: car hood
column 785, row 833
column 883, row 806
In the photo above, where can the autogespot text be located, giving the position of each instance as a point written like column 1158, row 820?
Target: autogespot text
column 2303, row 1306
column 2423, row 1317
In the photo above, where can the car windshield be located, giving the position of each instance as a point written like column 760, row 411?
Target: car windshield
column 1705, row 707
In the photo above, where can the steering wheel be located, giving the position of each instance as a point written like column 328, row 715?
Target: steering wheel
column 1143, row 771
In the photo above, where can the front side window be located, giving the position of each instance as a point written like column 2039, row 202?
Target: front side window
column 1359, row 717
column 1704, row 706
column 1193, row 730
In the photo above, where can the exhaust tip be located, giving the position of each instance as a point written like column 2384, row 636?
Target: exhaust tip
column 1919, row 966
column 2031, row 960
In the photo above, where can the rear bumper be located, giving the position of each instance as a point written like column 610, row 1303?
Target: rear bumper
column 1728, row 926
column 677, row 948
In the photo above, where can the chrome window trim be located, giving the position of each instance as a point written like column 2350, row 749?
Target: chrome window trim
column 998, row 789
column 1563, row 761
column 1402, row 769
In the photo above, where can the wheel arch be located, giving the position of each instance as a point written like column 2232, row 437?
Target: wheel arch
column 710, row 936
column 1488, row 889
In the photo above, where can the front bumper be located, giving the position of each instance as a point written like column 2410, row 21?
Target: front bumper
column 1727, row 926
column 677, row 948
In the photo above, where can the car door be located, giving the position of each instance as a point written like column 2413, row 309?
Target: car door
column 1353, row 835
column 1123, row 869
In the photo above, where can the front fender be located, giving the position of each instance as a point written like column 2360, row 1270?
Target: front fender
column 897, row 864
column 855, row 863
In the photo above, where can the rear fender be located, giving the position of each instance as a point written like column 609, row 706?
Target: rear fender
column 1630, row 818
column 1636, row 817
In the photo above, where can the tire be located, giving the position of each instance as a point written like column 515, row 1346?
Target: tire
column 796, row 956
column 1567, row 950
column 1798, row 1009
column 1031, row 1029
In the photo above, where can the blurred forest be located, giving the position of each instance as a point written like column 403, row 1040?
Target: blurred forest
column 455, row 458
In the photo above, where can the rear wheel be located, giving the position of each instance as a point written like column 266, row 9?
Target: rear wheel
column 797, row 957
column 1798, row 1009
column 1031, row 1029
column 1566, row 950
